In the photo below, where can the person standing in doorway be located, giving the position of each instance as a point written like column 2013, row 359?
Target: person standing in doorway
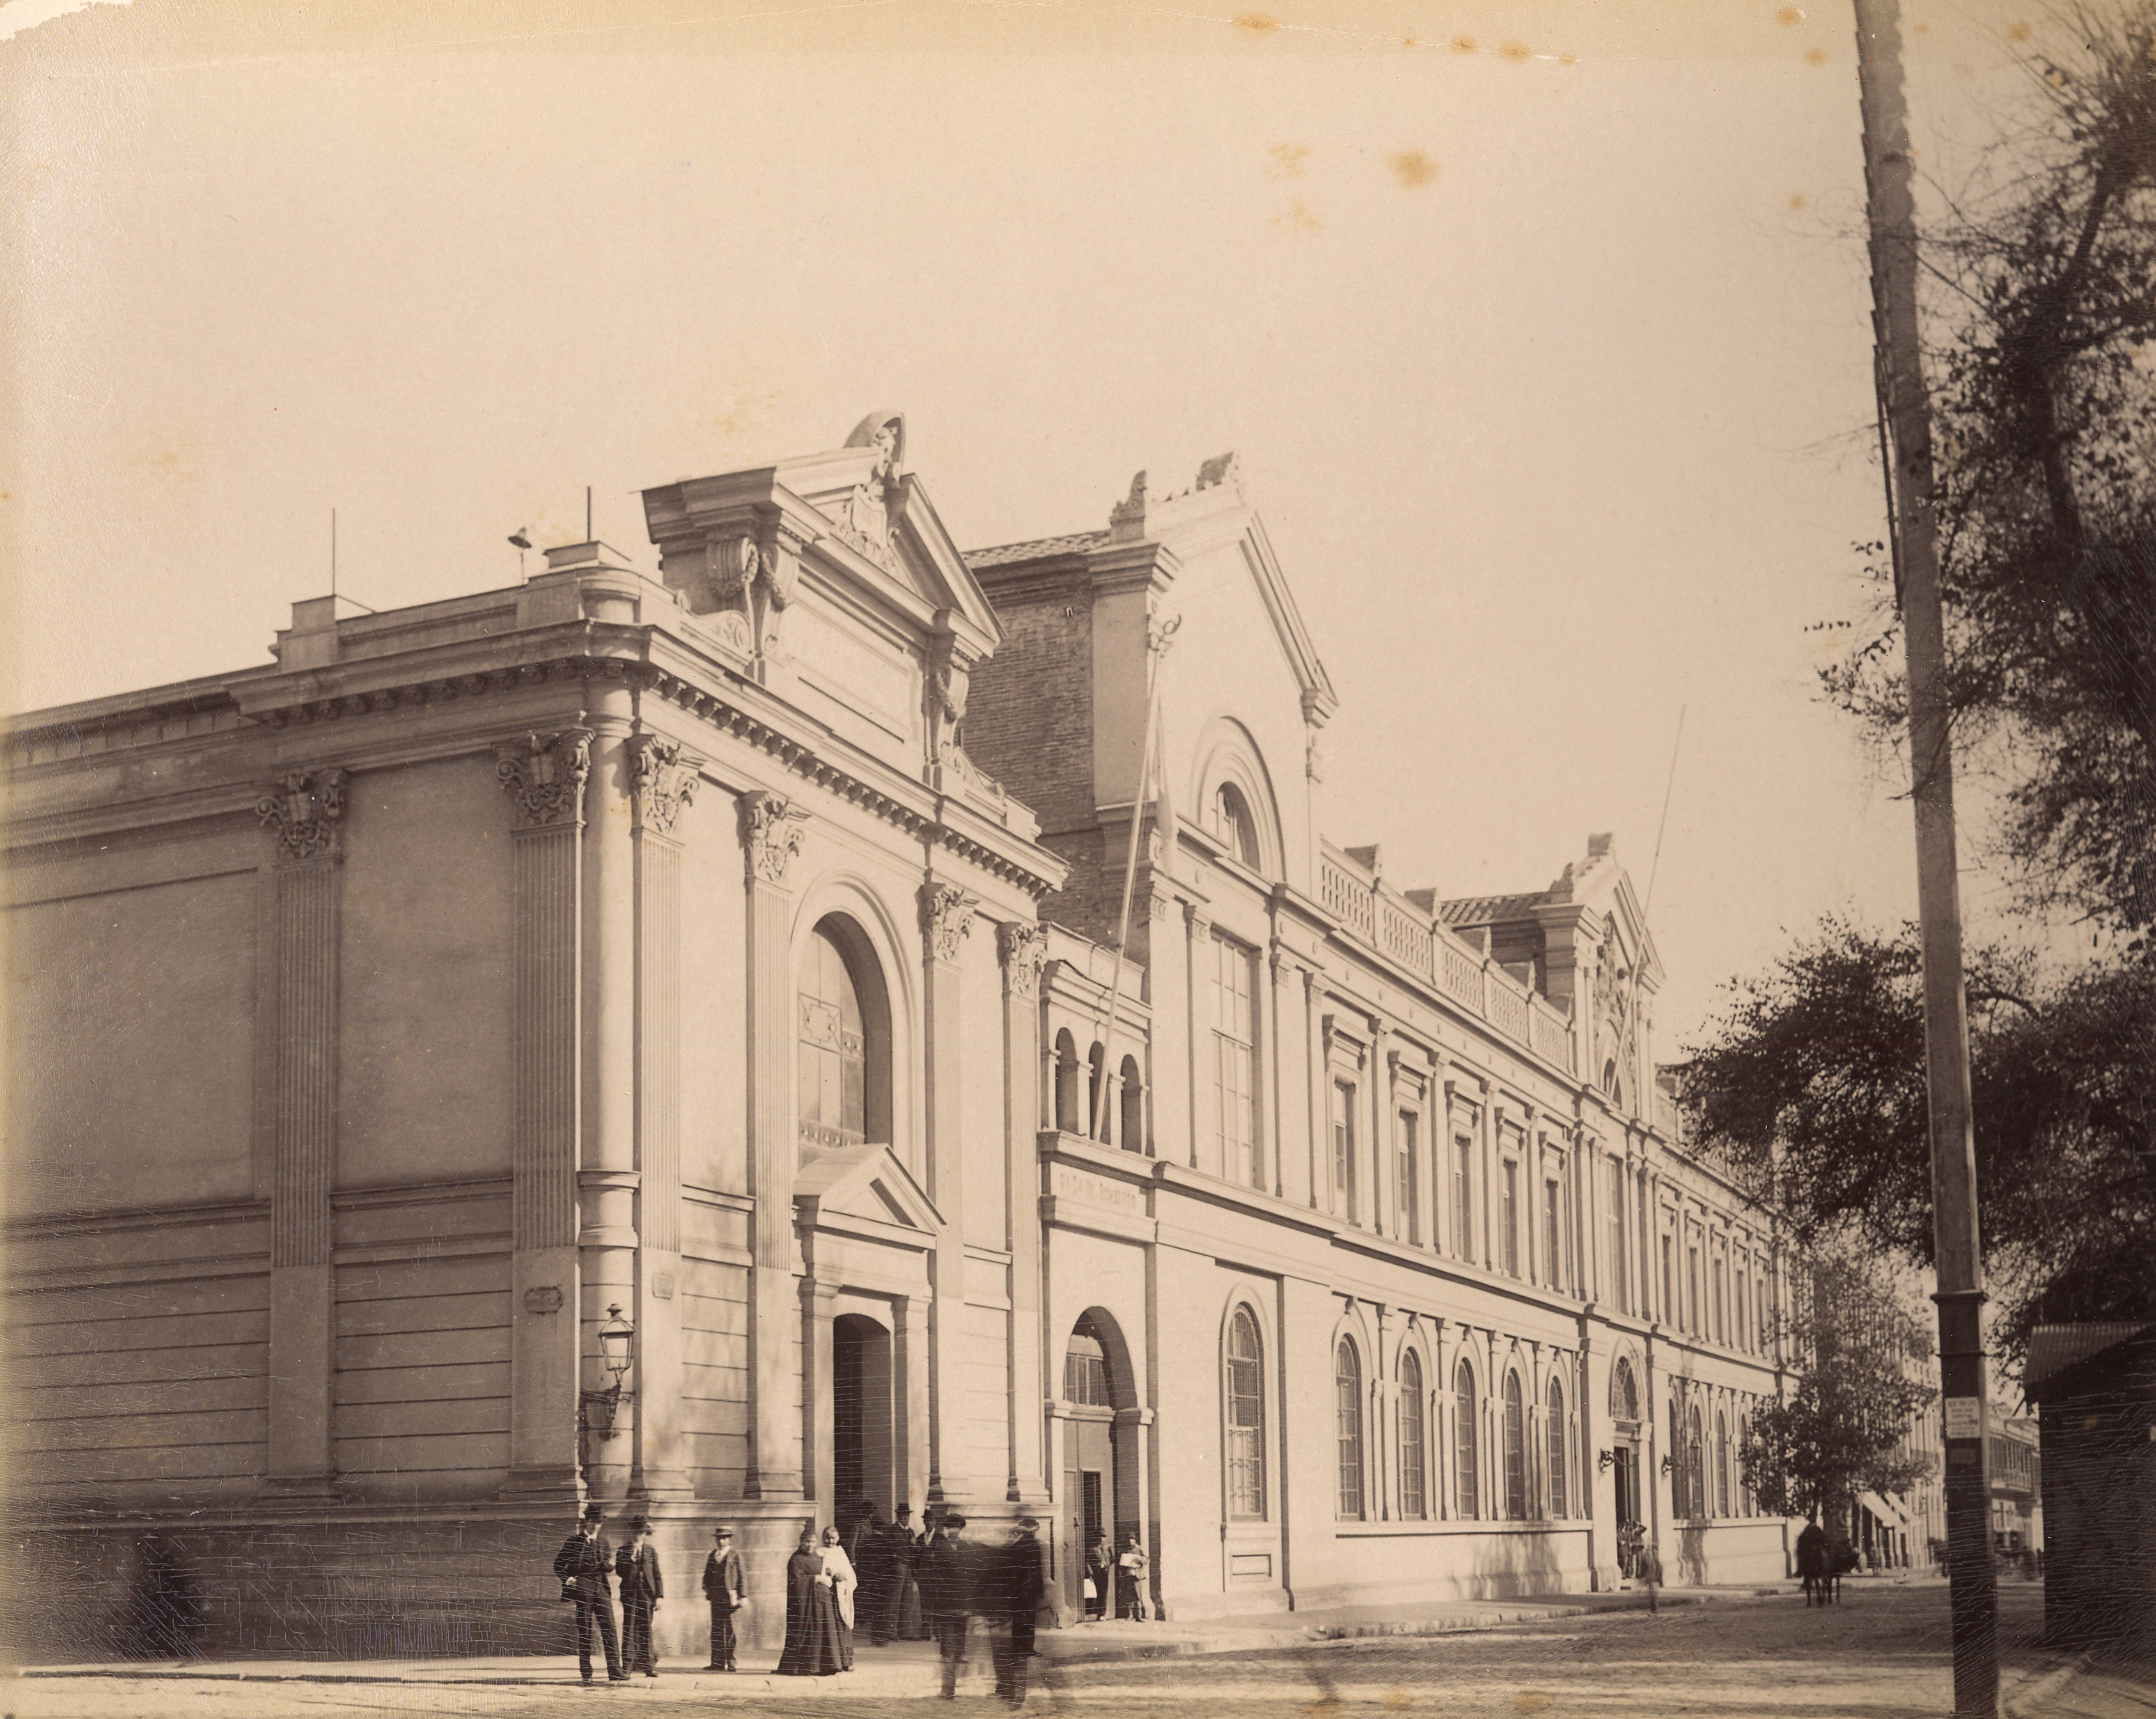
column 1131, row 1567
column 725, row 1588
column 1100, row 1577
column 582, row 1564
column 642, row 1588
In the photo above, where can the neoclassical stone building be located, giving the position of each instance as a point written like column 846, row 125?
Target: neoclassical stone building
column 717, row 972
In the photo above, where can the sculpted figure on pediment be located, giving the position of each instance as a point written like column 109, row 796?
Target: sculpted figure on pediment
column 866, row 521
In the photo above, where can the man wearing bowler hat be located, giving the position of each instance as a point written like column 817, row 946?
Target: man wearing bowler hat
column 583, row 1564
column 642, row 1588
column 728, row 1593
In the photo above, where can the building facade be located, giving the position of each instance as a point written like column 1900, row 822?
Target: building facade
column 777, row 969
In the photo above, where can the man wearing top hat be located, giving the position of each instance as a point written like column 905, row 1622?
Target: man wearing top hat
column 642, row 1588
column 582, row 1564
column 728, row 1593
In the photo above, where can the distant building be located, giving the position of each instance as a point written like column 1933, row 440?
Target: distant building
column 736, row 948
column 2017, row 1500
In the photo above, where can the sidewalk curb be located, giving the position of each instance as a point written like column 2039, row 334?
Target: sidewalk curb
column 1225, row 1641
column 2019, row 1704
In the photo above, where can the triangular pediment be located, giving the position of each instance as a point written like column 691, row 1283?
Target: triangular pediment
column 854, row 515
column 1600, row 883
column 1214, row 514
column 865, row 1181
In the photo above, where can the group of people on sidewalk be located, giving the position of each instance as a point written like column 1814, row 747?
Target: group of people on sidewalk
column 878, row 1578
column 585, row 1564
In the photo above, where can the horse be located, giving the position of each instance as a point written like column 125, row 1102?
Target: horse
column 1822, row 1583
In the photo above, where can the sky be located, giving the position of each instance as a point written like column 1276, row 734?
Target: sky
column 1543, row 331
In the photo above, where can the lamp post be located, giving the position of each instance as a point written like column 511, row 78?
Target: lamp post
column 595, row 1409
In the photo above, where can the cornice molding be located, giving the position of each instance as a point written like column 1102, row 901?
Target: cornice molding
column 284, row 703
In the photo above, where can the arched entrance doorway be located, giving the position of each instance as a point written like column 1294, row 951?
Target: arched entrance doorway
column 1625, row 1445
column 1101, row 1493
column 862, row 1446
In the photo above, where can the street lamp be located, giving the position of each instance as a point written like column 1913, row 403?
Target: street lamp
column 1605, row 1462
column 595, row 1409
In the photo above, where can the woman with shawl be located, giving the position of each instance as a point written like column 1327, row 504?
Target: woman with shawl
column 812, row 1619
column 839, row 1579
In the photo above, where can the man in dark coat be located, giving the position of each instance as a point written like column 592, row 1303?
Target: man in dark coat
column 949, row 1573
column 727, row 1592
column 1009, row 1600
column 642, row 1588
column 582, row 1564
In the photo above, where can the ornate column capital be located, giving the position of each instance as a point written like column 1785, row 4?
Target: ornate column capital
column 662, row 779
column 946, row 916
column 771, row 831
column 546, row 777
column 307, row 810
column 1023, row 948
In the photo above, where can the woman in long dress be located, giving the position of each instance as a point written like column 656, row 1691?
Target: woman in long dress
column 840, row 1579
column 812, row 1619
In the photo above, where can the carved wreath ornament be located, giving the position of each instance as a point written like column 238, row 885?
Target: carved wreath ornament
column 547, row 780
column 664, row 781
column 946, row 915
column 771, row 832
column 1024, row 952
column 305, row 810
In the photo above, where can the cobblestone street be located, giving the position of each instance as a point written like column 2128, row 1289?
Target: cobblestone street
column 1882, row 1655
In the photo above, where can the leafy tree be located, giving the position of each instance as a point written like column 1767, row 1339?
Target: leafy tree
column 2041, row 332
column 1844, row 1429
column 1808, row 1088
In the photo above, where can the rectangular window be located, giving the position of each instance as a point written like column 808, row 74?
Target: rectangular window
column 1695, row 1312
column 1618, row 1286
column 1343, row 1150
column 1508, row 1211
column 1407, row 1222
column 1669, row 1283
column 1719, row 1335
column 1552, row 1240
column 1463, row 1187
column 1234, row 1075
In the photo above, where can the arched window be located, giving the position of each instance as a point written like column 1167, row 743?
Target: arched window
column 1246, row 1418
column 1743, row 1486
column 1131, row 1132
column 1558, row 1446
column 1233, row 825
column 1095, row 1062
column 1721, row 1466
column 1066, row 1084
column 1412, row 1504
column 844, row 1092
column 1696, row 1480
column 1463, row 1440
column 1348, row 1424
column 1679, row 1504
column 1623, row 1394
column 1085, row 1368
column 1516, row 1451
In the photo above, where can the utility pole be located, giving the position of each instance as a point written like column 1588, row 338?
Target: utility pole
column 1913, row 523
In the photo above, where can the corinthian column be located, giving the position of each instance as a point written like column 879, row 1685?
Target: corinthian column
column 771, row 830
column 664, row 781
column 545, row 781
column 946, row 916
column 306, row 811
column 1023, row 950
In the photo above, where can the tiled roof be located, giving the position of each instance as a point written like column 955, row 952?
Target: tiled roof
column 1489, row 909
column 1039, row 549
column 2052, row 1349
